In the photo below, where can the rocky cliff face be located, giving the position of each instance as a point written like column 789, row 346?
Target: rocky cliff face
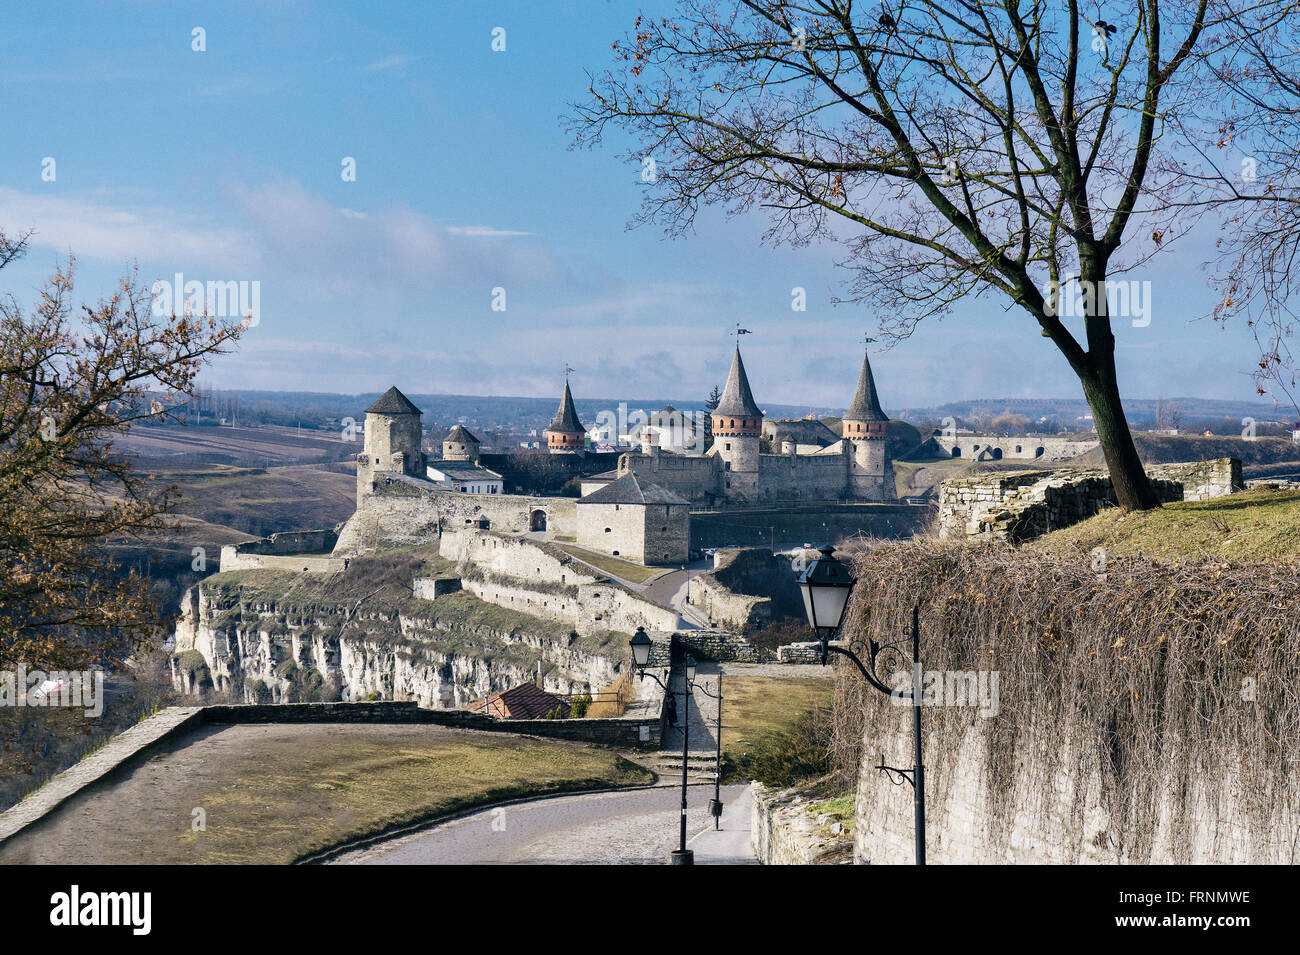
column 265, row 647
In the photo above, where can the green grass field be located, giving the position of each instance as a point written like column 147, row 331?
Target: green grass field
column 759, row 710
column 615, row 566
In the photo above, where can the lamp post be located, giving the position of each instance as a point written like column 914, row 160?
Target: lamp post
column 641, row 644
column 715, row 804
column 825, row 585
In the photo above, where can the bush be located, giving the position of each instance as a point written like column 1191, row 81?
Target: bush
column 580, row 706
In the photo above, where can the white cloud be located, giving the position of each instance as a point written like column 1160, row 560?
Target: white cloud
column 98, row 229
column 483, row 231
column 393, row 62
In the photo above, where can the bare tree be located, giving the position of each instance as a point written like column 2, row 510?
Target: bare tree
column 72, row 380
column 969, row 146
column 1249, row 142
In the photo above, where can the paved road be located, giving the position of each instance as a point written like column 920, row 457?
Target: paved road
column 628, row 828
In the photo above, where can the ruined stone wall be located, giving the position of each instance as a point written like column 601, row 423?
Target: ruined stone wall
column 609, row 606
column 720, row 645
column 1022, row 505
column 296, row 551
column 540, row 579
column 232, row 559
column 783, row 831
column 1203, row 480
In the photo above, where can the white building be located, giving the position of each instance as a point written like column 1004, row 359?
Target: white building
column 465, row 477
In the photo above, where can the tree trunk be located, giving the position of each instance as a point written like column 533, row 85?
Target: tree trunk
column 1133, row 489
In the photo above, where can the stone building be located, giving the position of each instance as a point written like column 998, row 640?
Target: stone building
column 465, row 477
column 635, row 521
column 855, row 465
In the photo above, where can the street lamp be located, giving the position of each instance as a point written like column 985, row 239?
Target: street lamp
column 641, row 645
column 825, row 585
column 715, row 804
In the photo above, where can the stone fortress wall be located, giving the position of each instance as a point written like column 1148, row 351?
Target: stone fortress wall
column 992, row 447
column 298, row 551
column 400, row 512
column 540, row 579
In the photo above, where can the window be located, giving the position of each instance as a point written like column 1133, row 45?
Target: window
column 607, row 530
column 728, row 445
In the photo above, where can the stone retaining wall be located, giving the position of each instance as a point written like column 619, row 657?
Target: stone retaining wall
column 784, row 832
column 721, row 646
column 810, row 653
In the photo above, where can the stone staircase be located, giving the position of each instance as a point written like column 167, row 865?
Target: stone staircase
column 701, row 758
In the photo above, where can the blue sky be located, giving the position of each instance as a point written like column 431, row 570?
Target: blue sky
column 225, row 165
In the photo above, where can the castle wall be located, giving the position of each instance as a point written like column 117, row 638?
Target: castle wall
column 793, row 477
column 989, row 447
column 667, row 533
column 401, row 512
column 693, row 478
column 541, row 580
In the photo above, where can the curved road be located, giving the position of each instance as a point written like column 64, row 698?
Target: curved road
column 639, row 827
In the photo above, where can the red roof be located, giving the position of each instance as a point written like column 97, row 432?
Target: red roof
column 527, row 701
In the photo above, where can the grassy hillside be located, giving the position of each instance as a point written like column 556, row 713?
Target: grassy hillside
column 1256, row 525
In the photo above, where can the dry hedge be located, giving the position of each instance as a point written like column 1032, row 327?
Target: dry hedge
column 1149, row 665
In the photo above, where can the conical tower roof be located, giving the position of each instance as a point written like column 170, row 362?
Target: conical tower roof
column 462, row 434
column 737, row 400
column 866, row 404
column 392, row 402
column 566, row 417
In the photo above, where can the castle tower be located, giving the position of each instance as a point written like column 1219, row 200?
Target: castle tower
column 460, row 445
column 565, row 434
column 393, row 435
column 737, row 429
column 865, row 424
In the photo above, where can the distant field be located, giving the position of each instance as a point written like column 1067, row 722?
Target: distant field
column 1177, row 448
column 222, row 503
column 269, row 446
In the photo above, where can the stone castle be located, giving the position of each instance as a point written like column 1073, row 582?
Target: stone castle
column 735, row 469
column 640, row 510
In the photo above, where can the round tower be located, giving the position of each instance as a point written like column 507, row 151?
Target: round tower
column 460, row 445
column 865, row 427
column 737, row 430
column 565, row 435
